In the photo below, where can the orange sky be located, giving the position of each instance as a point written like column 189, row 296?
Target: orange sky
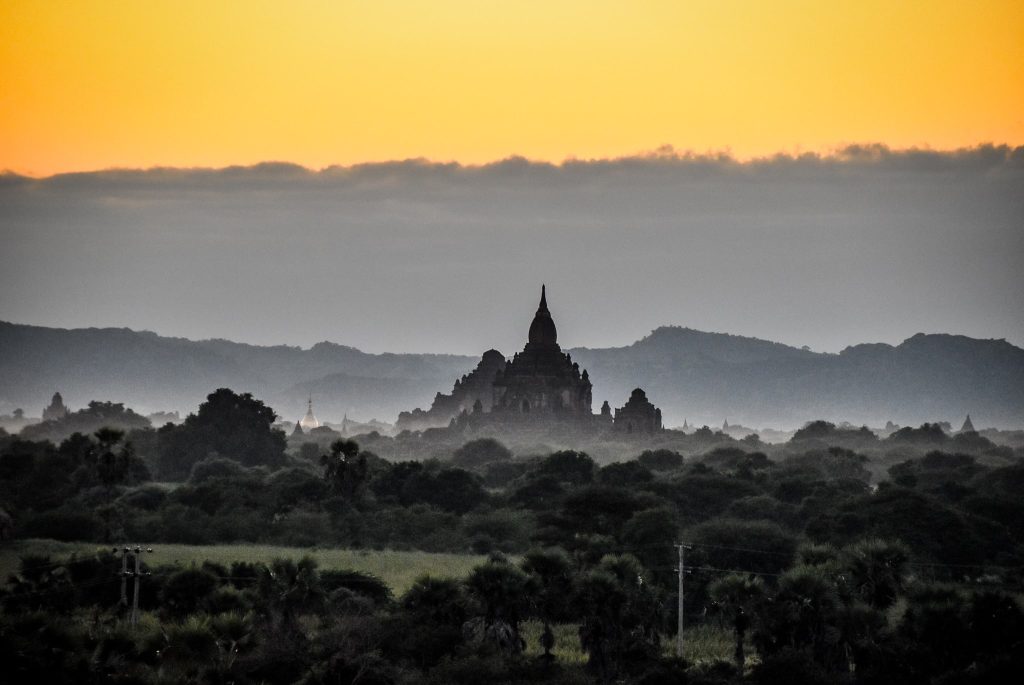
column 89, row 85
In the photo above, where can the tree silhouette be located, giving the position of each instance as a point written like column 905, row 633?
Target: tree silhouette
column 435, row 610
column 550, row 574
column 111, row 462
column 345, row 468
column 620, row 616
column 228, row 424
column 288, row 590
column 501, row 591
column 738, row 597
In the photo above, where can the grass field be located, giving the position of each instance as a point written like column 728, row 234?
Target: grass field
column 704, row 643
column 398, row 569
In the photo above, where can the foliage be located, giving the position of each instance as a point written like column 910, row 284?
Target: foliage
column 94, row 417
column 567, row 466
column 836, row 557
column 228, row 424
column 480, row 452
column 345, row 469
column 660, row 460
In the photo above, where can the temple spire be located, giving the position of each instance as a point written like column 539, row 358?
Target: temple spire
column 542, row 330
column 309, row 420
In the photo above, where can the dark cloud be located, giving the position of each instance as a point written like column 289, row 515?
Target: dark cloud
column 864, row 244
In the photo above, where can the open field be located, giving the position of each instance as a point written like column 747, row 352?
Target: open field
column 704, row 643
column 398, row 569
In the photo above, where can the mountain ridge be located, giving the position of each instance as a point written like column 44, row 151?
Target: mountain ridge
column 695, row 375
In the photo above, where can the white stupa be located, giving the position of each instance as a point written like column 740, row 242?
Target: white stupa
column 309, row 421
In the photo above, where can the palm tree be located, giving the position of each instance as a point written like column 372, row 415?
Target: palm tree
column 739, row 596
column 289, row 589
column 437, row 610
column 111, row 467
column 550, row 574
column 877, row 570
column 345, row 468
column 620, row 613
column 502, row 592
column 805, row 615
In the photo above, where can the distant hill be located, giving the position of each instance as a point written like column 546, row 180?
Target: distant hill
column 149, row 372
column 710, row 377
column 703, row 377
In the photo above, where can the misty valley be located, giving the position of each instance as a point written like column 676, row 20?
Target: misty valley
column 507, row 530
column 511, row 343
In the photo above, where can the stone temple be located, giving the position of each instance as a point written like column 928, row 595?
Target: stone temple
column 542, row 380
column 541, row 386
column 638, row 416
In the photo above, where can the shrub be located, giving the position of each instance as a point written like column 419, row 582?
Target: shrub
column 147, row 497
column 186, row 591
column 660, row 460
column 67, row 525
column 214, row 468
column 476, row 453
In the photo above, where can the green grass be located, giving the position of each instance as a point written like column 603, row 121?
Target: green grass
column 398, row 569
column 707, row 643
column 704, row 644
column 567, row 641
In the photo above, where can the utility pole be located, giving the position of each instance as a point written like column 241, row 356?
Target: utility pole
column 124, row 575
column 682, row 547
column 136, row 574
column 138, row 580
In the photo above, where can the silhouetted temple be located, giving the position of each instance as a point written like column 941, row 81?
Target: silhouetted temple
column 541, row 386
column 475, row 387
column 542, row 381
column 639, row 415
column 56, row 410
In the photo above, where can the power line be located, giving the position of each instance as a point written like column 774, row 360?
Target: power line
column 734, row 570
column 742, row 549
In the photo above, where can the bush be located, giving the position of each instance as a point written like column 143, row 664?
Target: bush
column 624, row 474
column 187, row 590
column 456, row 491
column 792, row 667
column 760, row 546
column 660, row 460
column 505, row 529
column 500, row 474
column 214, row 468
column 360, row 583
column 147, row 497
column 187, row 525
column 476, row 453
column 302, row 529
column 66, row 525
column 567, row 466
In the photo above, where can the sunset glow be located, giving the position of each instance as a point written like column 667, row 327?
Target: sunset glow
column 90, row 85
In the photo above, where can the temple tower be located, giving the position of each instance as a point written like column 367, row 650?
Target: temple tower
column 309, row 421
column 542, row 381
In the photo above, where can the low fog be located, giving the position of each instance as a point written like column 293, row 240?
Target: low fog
column 866, row 245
